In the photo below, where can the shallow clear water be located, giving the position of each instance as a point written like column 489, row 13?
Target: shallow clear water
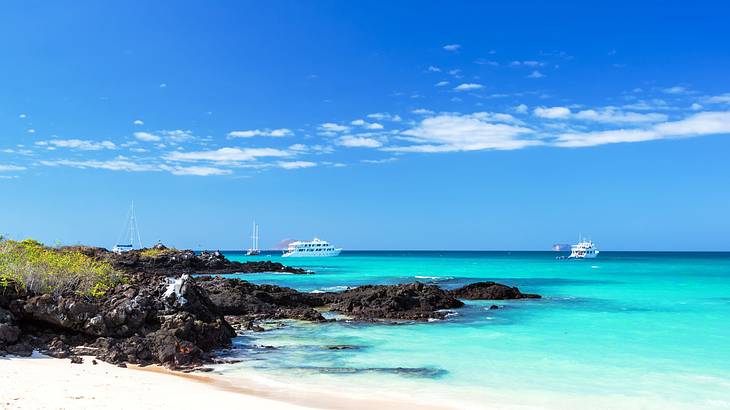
column 625, row 330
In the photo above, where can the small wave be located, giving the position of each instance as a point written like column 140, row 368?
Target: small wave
column 331, row 289
column 434, row 278
column 595, row 267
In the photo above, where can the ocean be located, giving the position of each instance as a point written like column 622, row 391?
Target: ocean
column 627, row 330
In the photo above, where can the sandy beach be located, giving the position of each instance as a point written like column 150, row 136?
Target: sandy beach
column 41, row 382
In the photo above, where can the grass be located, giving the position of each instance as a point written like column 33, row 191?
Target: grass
column 153, row 253
column 33, row 267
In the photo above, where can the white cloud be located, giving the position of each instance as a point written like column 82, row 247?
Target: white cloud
column 522, row 109
column 675, row 90
column 298, row 147
column 163, row 85
column 138, row 122
column 535, row 74
column 719, row 99
column 84, row 145
column 455, row 132
column 31, row 131
column 422, row 111
column 441, row 84
column 706, row 123
column 452, row 47
column 368, row 125
column 379, row 161
column 23, row 116
column 196, row 171
column 124, row 164
column 146, row 136
column 358, row 142
column 696, row 107
column 11, row 168
column 609, row 115
column 614, row 116
column 295, row 164
column 468, row 87
column 552, row 112
column 227, row 155
column 111, row 165
column 279, row 132
column 433, row 69
column 330, row 128
column 384, row 116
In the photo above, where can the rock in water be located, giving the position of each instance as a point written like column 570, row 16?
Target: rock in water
column 490, row 291
column 235, row 297
column 414, row 301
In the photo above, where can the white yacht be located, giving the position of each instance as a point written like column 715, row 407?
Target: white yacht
column 133, row 233
column 254, row 250
column 314, row 248
column 585, row 249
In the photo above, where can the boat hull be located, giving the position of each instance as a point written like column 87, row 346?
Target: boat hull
column 320, row 254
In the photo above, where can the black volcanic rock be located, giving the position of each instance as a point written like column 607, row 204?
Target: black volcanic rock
column 151, row 320
column 161, row 260
column 254, row 302
column 413, row 301
column 490, row 291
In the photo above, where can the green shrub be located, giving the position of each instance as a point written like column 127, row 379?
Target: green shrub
column 153, row 252
column 30, row 266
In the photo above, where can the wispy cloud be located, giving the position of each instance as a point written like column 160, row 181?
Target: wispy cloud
column 452, row 47
column 367, row 125
column 441, row 84
column 468, row 87
column 147, row 137
column 535, row 74
column 279, row 132
column 706, row 123
column 227, row 155
column 384, row 116
column 358, row 142
column 331, row 129
column 609, row 115
column 83, row 145
column 296, row 164
column 455, row 132
column 11, row 168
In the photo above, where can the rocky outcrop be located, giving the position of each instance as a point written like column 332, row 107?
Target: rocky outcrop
column 490, row 291
column 248, row 301
column 142, row 322
column 164, row 261
column 413, row 301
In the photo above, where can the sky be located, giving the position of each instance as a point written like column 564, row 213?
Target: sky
column 456, row 125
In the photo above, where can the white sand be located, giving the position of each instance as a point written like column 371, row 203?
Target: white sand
column 41, row 382
column 46, row 383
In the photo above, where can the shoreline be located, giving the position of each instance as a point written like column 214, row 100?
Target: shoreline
column 45, row 382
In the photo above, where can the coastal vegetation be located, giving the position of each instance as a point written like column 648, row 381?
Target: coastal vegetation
column 30, row 266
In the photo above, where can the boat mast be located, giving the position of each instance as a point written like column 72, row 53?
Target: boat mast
column 133, row 228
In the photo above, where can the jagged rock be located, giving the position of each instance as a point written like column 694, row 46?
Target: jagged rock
column 490, row 291
column 414, row 301
column 234, row 297
column 77, row 359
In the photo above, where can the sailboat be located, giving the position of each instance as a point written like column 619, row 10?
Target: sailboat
column 130, row 231
column 254, row 250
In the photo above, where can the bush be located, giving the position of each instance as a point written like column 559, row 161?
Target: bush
column 30, row 266
column 155, row 252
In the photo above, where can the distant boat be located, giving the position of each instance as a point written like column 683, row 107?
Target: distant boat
column 312, row 249
column 584, row 249
column 131, row 231
column 254, row 250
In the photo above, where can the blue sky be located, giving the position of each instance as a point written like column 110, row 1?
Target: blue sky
column 406, row 125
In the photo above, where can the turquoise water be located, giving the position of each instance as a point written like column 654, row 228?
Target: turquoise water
column 625, row 330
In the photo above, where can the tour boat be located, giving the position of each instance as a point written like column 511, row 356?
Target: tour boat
column 585, row 249
column 314, row 248
column 133, row 231
column 254, row 250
